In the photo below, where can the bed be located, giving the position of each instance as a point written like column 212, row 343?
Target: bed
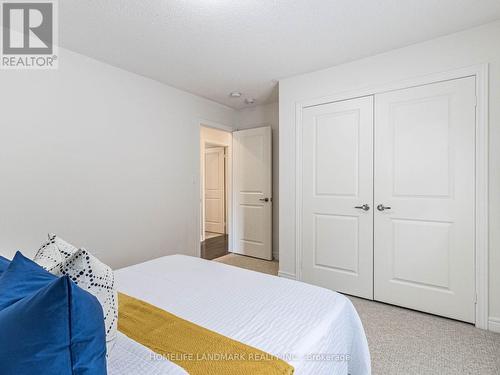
column 315, row 330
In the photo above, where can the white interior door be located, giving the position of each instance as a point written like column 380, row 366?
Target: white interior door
column 214, row 190
column 337, row 193
column 424, row 171
column 252, row 171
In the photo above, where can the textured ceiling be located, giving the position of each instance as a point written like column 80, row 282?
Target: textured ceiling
column 212, row 47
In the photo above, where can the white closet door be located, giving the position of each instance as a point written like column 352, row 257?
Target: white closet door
column 424, row 171
column 337, row 175
column 214, row 190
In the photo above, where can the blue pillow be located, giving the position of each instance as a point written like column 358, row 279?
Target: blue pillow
column 4, row 263
column 57, row 328
column 22, row 278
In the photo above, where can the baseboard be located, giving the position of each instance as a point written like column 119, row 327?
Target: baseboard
column 286, row 275
column 494, row 324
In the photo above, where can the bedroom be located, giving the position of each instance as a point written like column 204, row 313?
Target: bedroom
column 102, row 147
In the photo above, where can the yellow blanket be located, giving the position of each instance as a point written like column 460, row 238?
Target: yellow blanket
column 194, row 348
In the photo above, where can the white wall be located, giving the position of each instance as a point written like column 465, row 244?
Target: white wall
column 475, row 46
column 106, row 159
column 266, row 115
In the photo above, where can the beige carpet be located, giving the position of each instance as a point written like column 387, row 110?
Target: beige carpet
column 406, row 342
column 249, row 263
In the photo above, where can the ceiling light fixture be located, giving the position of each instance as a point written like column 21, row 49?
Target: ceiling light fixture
column 235, row 94
column 249, row 100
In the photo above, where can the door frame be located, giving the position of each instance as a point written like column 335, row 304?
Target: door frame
column 210, row 145
column 481, row 230
column 228, row 183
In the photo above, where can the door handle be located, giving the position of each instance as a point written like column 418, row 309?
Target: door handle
column 381, row 207
column 364, row 207
column 264, row 199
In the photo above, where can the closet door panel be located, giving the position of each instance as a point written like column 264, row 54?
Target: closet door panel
column 424, row 171
column 337, row 175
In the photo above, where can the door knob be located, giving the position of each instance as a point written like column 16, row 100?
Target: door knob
column 264, row 199
column 364, row 207
column 381, row 207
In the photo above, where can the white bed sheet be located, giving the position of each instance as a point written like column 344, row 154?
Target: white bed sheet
column 316, row 330
column 130, row 358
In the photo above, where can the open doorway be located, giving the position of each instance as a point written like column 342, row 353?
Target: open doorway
column 215, row 151
column 236, row 193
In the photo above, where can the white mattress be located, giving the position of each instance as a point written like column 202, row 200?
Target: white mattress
column 312, row 328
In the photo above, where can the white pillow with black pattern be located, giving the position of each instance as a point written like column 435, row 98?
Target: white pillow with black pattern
column 90, row 274
column 61, row 258
column 54, row 252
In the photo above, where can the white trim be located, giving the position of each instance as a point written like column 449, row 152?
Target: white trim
column 482, row 197
column 298, row 188
column 481, row 168
column 494, row 325
column 286, row 275
column 469, row 71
